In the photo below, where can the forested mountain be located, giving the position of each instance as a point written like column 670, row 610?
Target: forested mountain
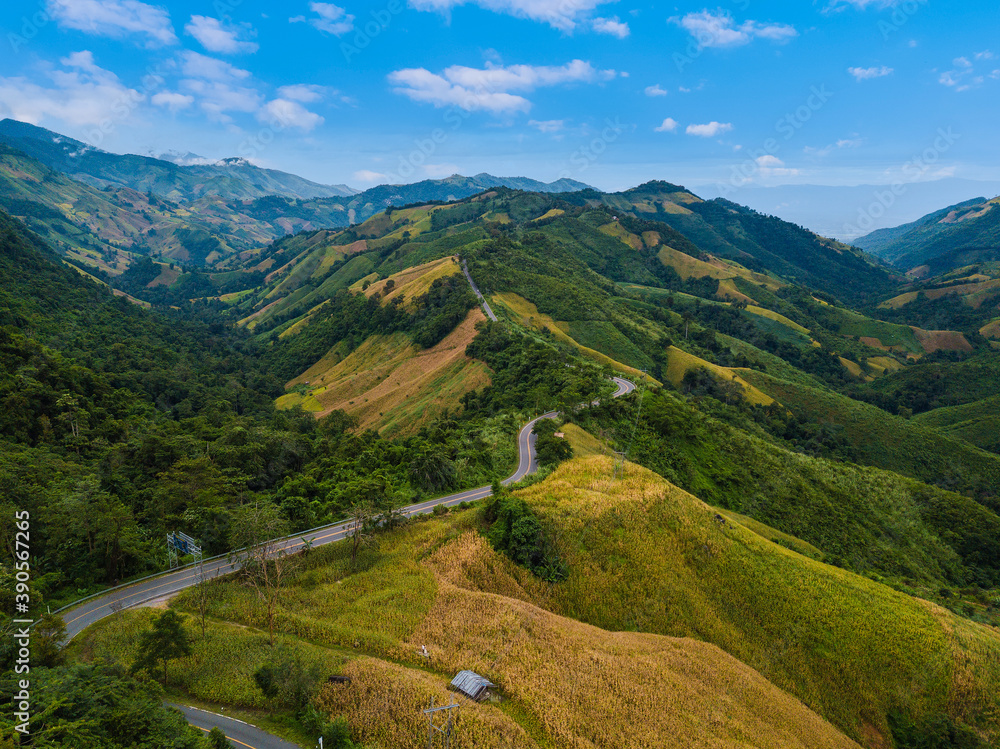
column 960, row 235
column 230, row 179
column 811, row 468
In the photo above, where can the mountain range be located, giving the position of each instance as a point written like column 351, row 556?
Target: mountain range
column 791, row 527
column 960, row 235
column 849, row 212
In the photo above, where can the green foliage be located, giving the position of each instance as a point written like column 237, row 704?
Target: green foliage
column 166, row 641
column 529, row 374
column 290, row 679
column 95, row 705
column 217, row 739
column 551, row 449
column 932, row 732
column 516, row 531
column 47, row 640
column 863, row 519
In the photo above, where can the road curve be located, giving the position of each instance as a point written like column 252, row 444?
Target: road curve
column 240, row 734
column 95, row 608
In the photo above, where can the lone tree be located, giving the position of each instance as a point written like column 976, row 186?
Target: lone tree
column 258, row 533
column 217, row 739
column 164, row 642
column 48, row 640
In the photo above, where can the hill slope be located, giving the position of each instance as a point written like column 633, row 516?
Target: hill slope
column 959, row 235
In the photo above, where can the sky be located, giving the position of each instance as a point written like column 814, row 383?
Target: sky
column 733, row 94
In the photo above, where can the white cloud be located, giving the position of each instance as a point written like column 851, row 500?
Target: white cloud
column 172, row 100
column 216, row 98
column 655, row 90
column 330, row 18
column 82, row 94
column 114, row 18
column 548, row 126
column 864, row 74
column 215, row 37
column 286, row 113
column 302, row 92
column 669, row 125
column 611, row 26
column 964, row 76
column 709, row 130
column 720, row 29
column 849, row 142
column 861, row 4
column 366, row 175
column 769, row 161
column 196, row 65
column 564, row 15
column 490, row 88
column 772, row 166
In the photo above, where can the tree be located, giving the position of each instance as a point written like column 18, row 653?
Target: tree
column 166, row 641
column 217, row 739
column 48, row 639
column 258, row 537
column 432, row 471
column 361, row 525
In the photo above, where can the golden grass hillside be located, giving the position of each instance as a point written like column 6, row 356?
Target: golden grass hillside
column 672, row 629
column 565, row 684
column 680, row 362
column 390, row 383
column 527, row 314
column 412, row 282
column 644, row 555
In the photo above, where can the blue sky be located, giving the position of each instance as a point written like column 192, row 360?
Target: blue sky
column 610, row 93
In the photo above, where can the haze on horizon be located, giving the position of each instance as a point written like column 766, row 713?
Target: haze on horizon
column 722, row 99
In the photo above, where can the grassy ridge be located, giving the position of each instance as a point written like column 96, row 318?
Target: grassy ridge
column 644, row 555
column 565, row 684
column 891, row 442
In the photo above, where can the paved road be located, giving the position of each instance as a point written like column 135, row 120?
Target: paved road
column 482, row 299
column 240, row 734
column 96, row 608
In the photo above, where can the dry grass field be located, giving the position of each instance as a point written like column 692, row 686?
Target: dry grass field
column 391, row 384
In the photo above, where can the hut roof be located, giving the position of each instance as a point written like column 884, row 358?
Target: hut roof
column 471, row 684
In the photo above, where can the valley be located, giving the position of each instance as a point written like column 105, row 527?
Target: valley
column 699, row 452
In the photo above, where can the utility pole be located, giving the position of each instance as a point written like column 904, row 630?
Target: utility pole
column 446, row 730
column 622, row 456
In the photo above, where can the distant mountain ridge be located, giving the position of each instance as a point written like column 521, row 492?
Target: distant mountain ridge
column 953, row 237
column 229, row 178
column 188, row 176
column 846, row 212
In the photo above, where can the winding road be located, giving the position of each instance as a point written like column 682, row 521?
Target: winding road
column 239, row 733
column 81, row 614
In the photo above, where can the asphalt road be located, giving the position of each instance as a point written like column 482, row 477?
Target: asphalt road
column 482, row 299
column 241, row 735
column 96, row 608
